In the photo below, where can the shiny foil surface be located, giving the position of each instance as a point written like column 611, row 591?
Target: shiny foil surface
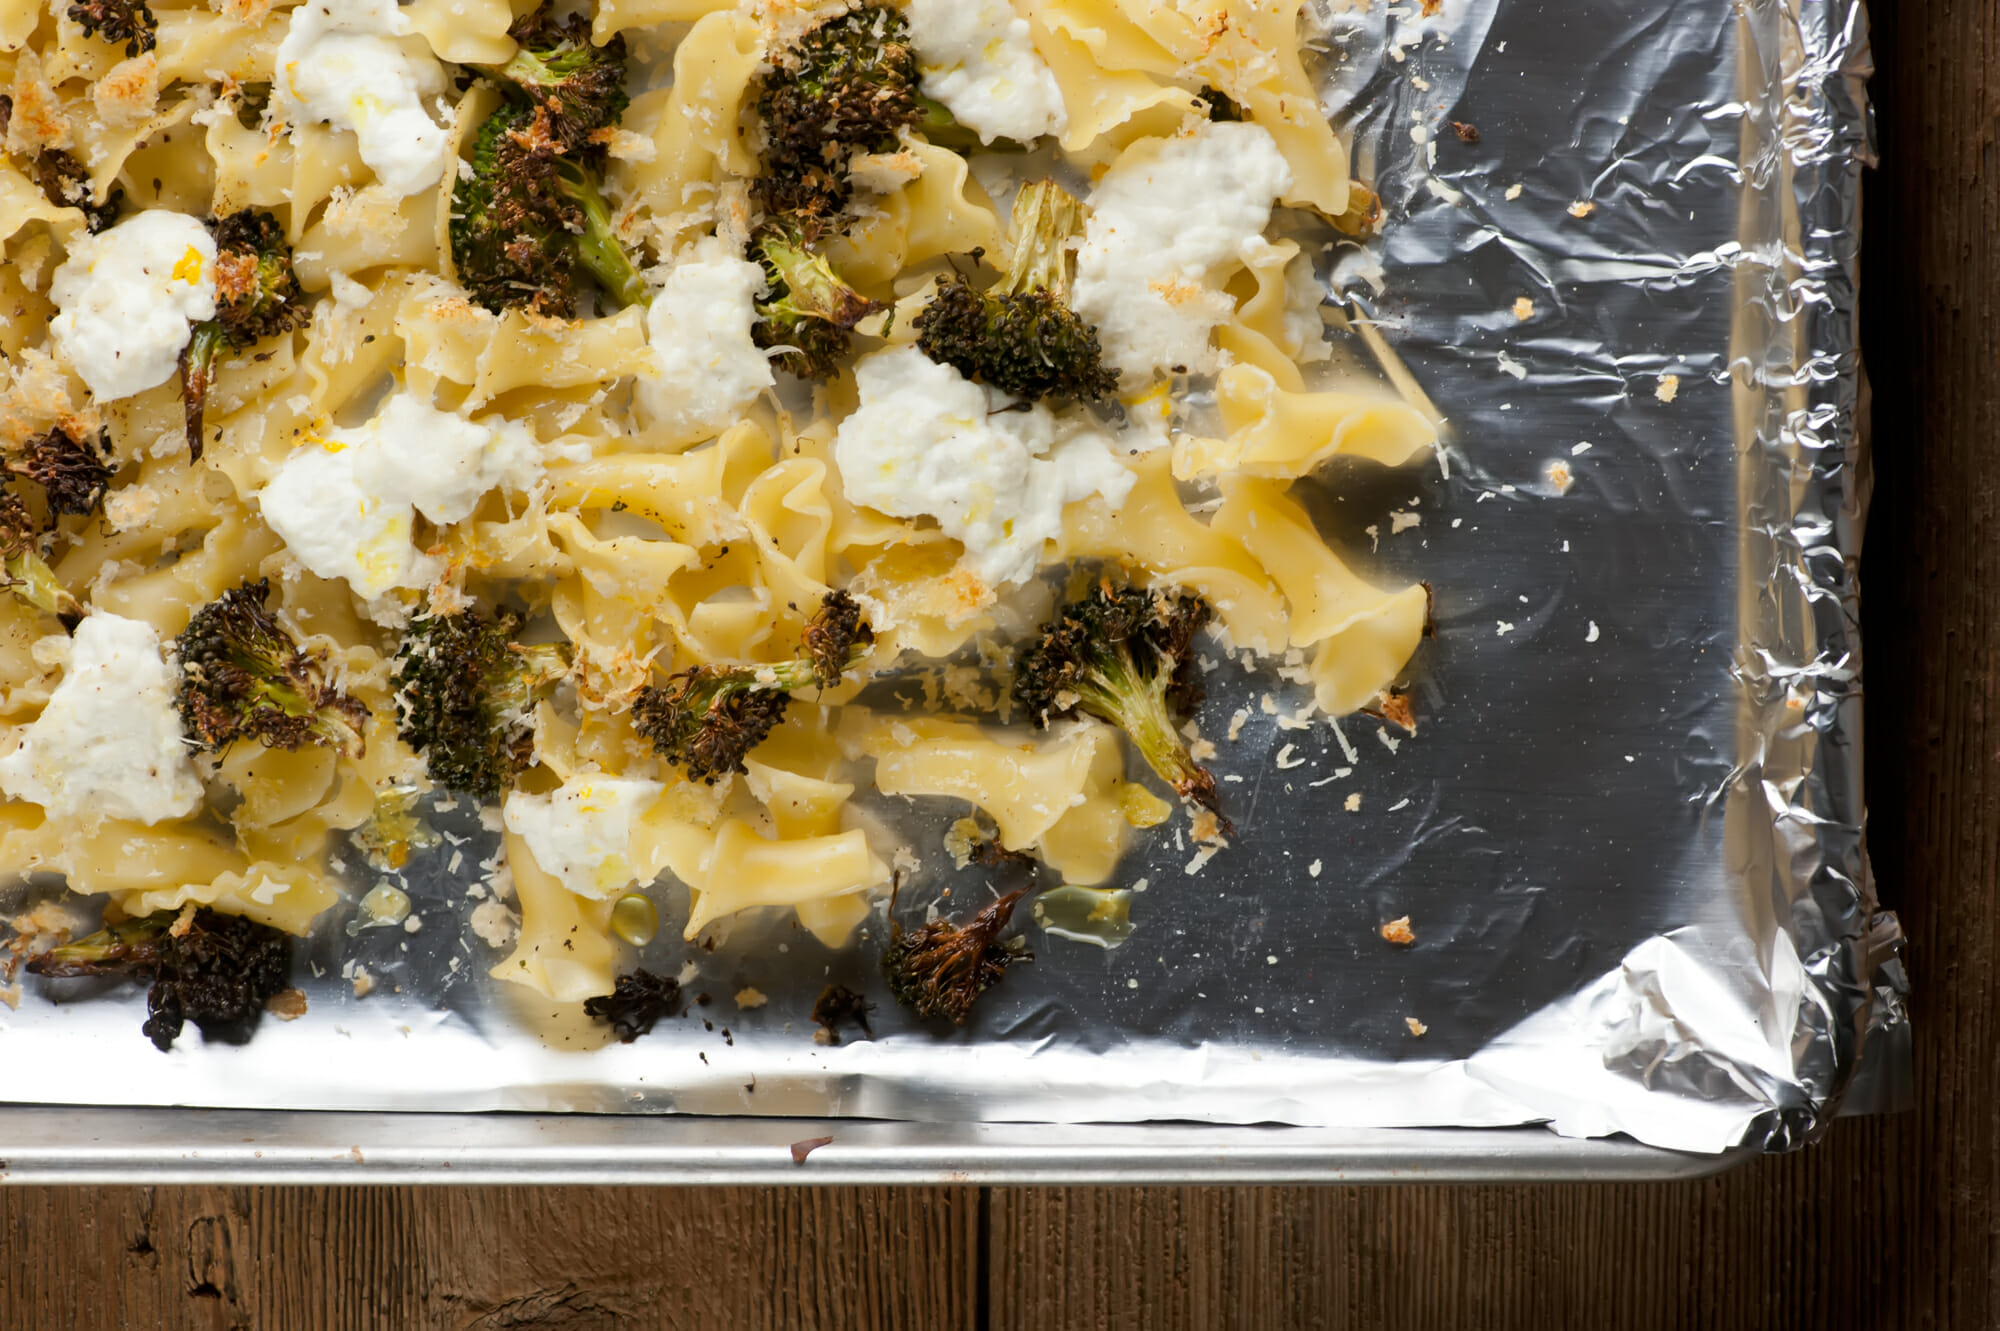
column 1620, row 258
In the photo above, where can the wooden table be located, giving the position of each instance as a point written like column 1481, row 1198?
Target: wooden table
column 1889, row 1223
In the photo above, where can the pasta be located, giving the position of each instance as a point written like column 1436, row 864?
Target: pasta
column 558, row 491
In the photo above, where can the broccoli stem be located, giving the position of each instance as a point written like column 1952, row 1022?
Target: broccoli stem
column 526, row 69
column 1137, row 704
column 1045, row 217
column 197, row 365
column 535, row 668
column 330, row 724
column 812, row 288
column 128, row 944
column 31, row 579
column 940, row 127
column 598, row 246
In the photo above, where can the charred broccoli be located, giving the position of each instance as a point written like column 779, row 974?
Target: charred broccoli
column 532, row 210
column 465, row 695
column 73, row 475
column 215, row 970
column 640, row 999
column 1020, row 335
column 577, row 88
column 63, row 180
column 1220, row 105
column 529, row 214
column 1125, row 655
column 708, row 718
column 839, row 1006
column 256, row 296
column 243, row 677
column 66, row 184
column 28, row 574
column 127, row 21
column 846, row 86
column 941, row 969
column 808, row 308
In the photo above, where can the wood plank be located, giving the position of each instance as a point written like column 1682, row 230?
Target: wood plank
column 501, row 1259
column 1769, row 1246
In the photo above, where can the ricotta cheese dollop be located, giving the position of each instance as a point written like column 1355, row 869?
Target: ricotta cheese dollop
column 341, row 62
column 978, row 58
column 581, row 832
column 926, row 441
column 346, row 501
column 108, row 743
column 707, row 367
column 1167, row 223
column 125, row 299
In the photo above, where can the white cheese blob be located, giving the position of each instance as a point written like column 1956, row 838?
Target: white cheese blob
column 108, row 744
column 345, row 502
column 1168, row 222
column 581, row 833
column 977, row 57
column 341, row 62
column 125, row 299
column 707, row 366
column 926, row 441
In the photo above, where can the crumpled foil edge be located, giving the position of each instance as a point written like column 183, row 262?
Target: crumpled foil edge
column 1768, row 1052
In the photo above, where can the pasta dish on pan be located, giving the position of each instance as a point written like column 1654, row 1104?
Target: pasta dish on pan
column 581, row 412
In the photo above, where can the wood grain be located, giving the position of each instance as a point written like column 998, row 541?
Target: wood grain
column 505, row 1259
column 1888, row 1224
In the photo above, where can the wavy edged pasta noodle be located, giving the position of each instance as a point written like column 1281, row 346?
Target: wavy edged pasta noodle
column 1053, row 795
column 564, row 949
column 1276, row 432
column 650, row 552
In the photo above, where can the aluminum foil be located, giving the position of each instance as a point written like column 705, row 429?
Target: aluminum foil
column 1628, row 832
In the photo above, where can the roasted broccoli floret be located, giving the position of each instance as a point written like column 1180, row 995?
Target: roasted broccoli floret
column 28, row 574
column 127, row 21
column 243, row 677
column 708, row 718
column 1020, row 335
column 466, row 695
column 639, row 1000
column 846, row 86
column 532, row 210
column 941, row 968
column 1125, row 654
column 215, row 970
column 578, row 88
column 256, row 296
column 528, row 215
column 808, row 308
column 73, row 475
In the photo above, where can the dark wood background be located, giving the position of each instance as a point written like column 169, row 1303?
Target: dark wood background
column 1889, row 1223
